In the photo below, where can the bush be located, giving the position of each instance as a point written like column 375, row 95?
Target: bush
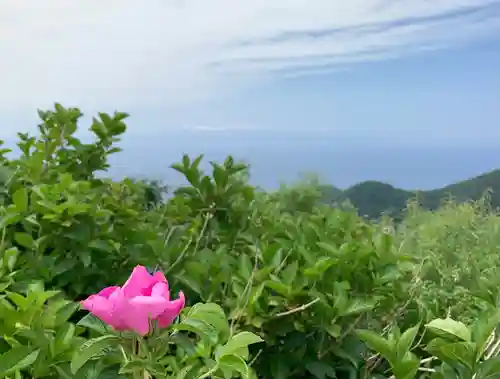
column 39, row 341
column 75, row 231
column 326, row 290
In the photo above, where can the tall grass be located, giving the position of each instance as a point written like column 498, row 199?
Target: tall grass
column 458, row 246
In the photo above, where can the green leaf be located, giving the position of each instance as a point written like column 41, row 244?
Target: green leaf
column 63, row 374
column 64, row 338
column 376, row 343
column 450, row 327
column 19, row 300
column 9, row 219
column 213, row 315
column 181, row 341
column 120, row 116
column 245, row 266
column 445, row 371
column 24, row 239
column 357, row 306
column 99, row 129
column 482, row 329
column 101, row 245
column 406, row 340
column 186, row 161
column 20, row 200
column 406, row 369
column 91, row 322
column 65, row 312
column 18, row 358
column 185, row 372
column 289, row 274
column 322, row 264
column 199, row 327
column 453, row 352
column 129, row 367
column 329, row 248
column 489, row 369
column 279, row 288
column 279, row 368
column 233, row 363
column 237, row 342
column 10, row 258
column 91, row 349
column 321, row 370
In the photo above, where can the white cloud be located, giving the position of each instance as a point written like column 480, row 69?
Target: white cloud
column 122, row 53
column 243, row 128
column 220, row 128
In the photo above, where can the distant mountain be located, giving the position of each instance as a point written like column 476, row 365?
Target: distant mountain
column 373, row 198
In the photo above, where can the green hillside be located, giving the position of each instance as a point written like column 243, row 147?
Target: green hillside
column 373, row 198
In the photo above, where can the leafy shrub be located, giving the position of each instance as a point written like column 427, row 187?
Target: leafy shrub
column 38, row 341
column 300, row 280
column 302, row 276
column 214, row 352
column 457, row 351
column 36, row 334
column 75, row 231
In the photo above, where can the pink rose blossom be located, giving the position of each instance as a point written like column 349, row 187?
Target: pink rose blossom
column 133, row 306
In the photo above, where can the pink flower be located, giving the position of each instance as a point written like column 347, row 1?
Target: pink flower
column 142, row 298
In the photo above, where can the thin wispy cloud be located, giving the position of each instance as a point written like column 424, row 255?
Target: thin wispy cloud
column 332, row 130
column 244, row 128
column 124, row 53
column 219, row 128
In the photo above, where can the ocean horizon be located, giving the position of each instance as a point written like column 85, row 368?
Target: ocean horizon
column 412, row 168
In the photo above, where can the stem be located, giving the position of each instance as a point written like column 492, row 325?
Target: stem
column 298, row 309
column 209, row 372
column 185, row 250
column 245, row 296
column 137, row 373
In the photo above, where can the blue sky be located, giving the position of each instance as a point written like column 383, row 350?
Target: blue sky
column 404, row 92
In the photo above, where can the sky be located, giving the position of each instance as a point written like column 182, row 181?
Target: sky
column 405, row 92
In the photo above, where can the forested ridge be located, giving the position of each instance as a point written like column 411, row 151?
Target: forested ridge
column 373, row 198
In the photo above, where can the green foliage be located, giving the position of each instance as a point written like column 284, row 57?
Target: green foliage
column 172, row 353
column 37, row 337
column 301, row 280
column 74, row 230
column 396, row 350
column 279, row 285
column 457, row 351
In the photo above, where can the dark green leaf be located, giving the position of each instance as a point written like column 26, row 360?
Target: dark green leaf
column 450, row 327
column 406, row 340
column 489, row 369
column 91, row 322
column 237, row 342
column 18, row 358
column 25, row 240
column 321, row 370
column 376, row 343
column 90, row 350
column 233, row 363
column 20, row 200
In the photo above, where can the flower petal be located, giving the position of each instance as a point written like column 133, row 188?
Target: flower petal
column 100, row 307
column 159, row 277
column 133, row 306
column 161, row 290
column 139, row 281
column 171, row 311
column 106, row 292
column 142, row 310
